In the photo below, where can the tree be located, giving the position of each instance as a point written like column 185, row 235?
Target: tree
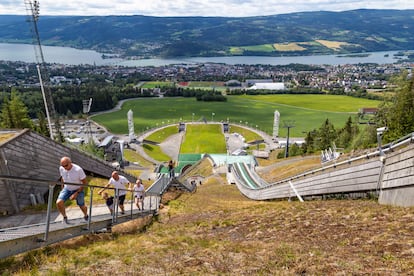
column 326, row 134
column 365, row 139
column 58, row 135
column 347, row 133
column 42, row 125
column 14, row 113
column 398, row 116
column 5, row 115
column 308, row 146
column 295, row 150
column 69, row 114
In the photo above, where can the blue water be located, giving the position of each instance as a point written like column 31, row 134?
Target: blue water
column 71, row 56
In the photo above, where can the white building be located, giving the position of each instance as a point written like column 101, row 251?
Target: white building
column 292, row 140
column 268, row 86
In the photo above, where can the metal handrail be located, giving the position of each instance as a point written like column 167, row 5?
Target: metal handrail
column 53, row 184
column 159, row 186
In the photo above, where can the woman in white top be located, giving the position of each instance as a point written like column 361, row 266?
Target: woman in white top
column 139, row 191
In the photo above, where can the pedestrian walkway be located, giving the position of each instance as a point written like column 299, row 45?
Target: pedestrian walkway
column 72, row 213
column 22, row 233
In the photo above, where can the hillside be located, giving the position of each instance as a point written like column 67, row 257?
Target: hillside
column 217, row 231
column 285, row 34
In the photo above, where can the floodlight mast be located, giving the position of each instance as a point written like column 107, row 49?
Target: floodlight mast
column 86, row 109
column 32, row 8
column 288, row 125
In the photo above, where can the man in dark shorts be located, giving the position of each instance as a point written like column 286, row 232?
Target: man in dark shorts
column 118, row 182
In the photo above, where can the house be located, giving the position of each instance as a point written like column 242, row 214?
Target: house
column 368, row 110
column 113, row 149
column 233, row 83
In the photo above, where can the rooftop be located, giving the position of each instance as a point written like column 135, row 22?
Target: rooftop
column 8, row 134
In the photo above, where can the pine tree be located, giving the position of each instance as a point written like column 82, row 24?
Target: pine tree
column 398, row 116
column 347, row 133
column 308, row 146
column 14, row 113
column 58, row 135
column 42, row 126
column 5, row 115
column 326, row 134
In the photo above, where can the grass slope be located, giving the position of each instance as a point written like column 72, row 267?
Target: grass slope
column 162, row 134
column 217, row 231
column 205, row 138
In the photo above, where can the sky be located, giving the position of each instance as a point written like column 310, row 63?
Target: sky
column 223, row 8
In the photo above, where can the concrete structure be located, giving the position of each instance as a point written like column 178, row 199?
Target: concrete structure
column 131, row 132
column 388, row 174
column 397, row 180
column 276, row 121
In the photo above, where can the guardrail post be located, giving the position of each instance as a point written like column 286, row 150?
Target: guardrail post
column 150, row 204
column 90, row 207
column 296, row 192
column 132, row 201
column 49, row 210
column 381, row 174
column 116, row 202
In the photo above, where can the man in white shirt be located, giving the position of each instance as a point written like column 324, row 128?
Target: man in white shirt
column 118, row 182
column 71, row 173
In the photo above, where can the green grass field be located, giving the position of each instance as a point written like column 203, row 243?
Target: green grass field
column 204, row 138
column 156, row 152
column 246, row 133
column 163, row 133
column 154, row 84
column 308, row 112
column 255, row 48
column 259, row 48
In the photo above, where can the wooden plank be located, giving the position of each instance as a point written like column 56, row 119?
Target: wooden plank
column 31, row 155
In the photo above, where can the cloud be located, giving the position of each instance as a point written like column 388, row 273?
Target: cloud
column 230, row 8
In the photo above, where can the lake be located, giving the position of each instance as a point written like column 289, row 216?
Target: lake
column 71, row 56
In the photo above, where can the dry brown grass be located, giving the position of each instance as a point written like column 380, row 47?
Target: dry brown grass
column 284, row 168
column 217, row 231
column 286, row 47
column 334, row 45
column 203, row 168
column 6, row 136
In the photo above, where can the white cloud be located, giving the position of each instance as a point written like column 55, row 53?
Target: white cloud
column 231, row 8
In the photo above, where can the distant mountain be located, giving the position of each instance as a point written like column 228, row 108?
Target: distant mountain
column 302, row 33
